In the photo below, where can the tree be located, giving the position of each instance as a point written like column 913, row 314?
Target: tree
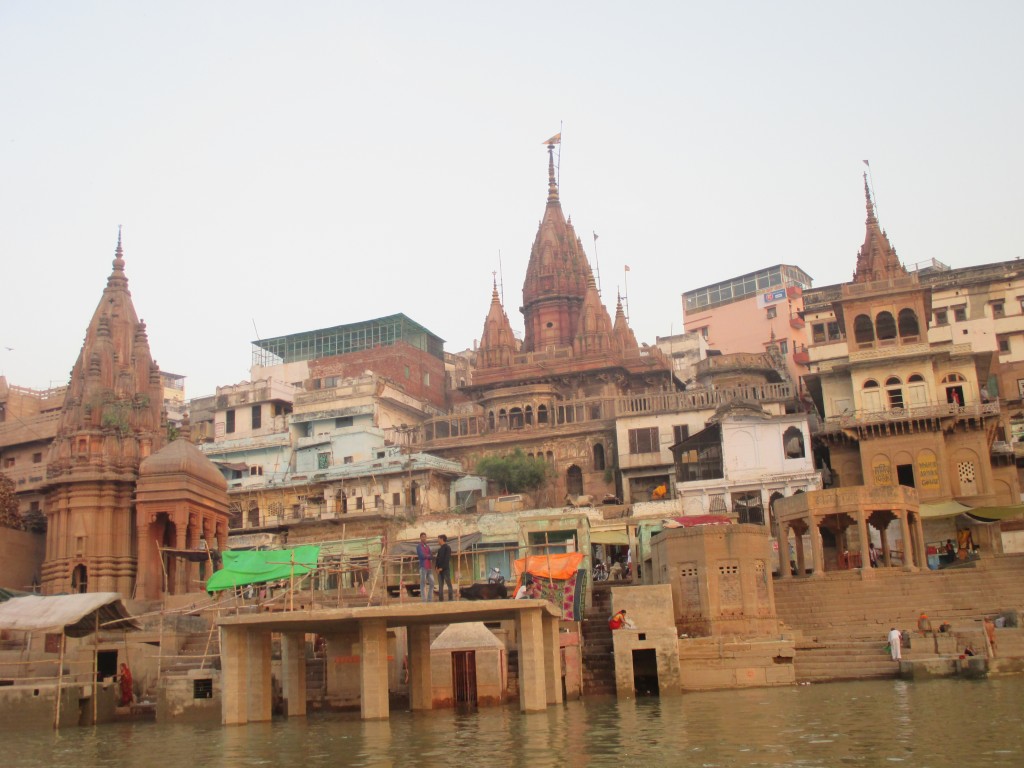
column 10, row 517
column 515, row 472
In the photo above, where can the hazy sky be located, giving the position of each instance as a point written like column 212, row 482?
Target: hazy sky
column 290, row 166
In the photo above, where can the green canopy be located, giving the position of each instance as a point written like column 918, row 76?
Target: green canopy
column 245, row 567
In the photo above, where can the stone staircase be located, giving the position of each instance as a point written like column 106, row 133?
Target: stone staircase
column 191, row 655
column 598, row 657
column 841, row 619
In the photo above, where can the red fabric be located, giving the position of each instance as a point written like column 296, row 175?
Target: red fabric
column 126, row 685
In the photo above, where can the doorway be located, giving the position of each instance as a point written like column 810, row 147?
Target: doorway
column 106, row 665
column 80, row 579
column 464, row 679
column 574, row 481
column 645, row 672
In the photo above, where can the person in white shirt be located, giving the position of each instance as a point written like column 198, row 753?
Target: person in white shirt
column 895, row 643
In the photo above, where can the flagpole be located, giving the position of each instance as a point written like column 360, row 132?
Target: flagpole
column 871, row 183
column 625, row 283
column 597, row 264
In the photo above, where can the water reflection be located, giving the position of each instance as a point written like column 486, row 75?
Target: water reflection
column 926, row 725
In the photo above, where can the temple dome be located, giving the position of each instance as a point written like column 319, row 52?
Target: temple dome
column 182, row 458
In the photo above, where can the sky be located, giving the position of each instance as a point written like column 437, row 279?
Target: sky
column 282, row 167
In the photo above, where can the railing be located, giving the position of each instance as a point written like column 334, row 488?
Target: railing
column 927, row 411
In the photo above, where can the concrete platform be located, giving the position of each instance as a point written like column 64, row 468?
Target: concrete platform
column 245, row 652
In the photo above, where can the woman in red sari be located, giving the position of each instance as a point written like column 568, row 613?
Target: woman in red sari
column 126, row 685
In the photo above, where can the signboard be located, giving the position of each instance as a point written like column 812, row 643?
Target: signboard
column 882, row 472
column 771, row 297
column 928, row 471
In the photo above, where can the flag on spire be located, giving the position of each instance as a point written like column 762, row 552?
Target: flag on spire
column 556, row 139
column 595, row 236
column 627, row 268
column 866, row 163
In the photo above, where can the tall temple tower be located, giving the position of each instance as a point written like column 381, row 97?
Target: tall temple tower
column 111, row 420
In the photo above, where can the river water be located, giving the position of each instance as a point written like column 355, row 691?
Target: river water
column 929, row 724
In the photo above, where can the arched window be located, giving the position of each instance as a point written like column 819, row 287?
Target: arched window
column 908, row 323
column 574, row 481
column 502, row 419
column 863, row 330
column 598, row 456
column 954, row 388
column 528, row 414
column 894, row 388
column 885, row 326
column 793, row 443
column 515, row 418
column 542, row 414
column 870, row 384
column 550, row 457
column 953, row 377
column 490, row 420
column 915, row 378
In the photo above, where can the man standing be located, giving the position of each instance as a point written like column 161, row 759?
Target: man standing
column 443, row 561
column 895, row 644
column 426, row 559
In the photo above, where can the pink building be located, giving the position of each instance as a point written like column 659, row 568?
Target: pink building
column 744, row 314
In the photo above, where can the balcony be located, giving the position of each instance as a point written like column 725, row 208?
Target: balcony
column 865, row 418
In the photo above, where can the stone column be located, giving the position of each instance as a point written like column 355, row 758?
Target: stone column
column 801, row 565
column 257, row 671
column 922, row 553
column 865, row 541
column 784, row 572
column 908, row 543
column 886, row 549
column 817, row 548
column 532, row 691
column 293, row 673
column 421, row 693
column 373, row 669
column 233, row 648
column 552, row 660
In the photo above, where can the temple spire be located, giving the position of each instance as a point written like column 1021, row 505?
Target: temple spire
column 552, row 184
column 869, row 203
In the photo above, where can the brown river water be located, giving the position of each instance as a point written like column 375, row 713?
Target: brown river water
column 878, row 723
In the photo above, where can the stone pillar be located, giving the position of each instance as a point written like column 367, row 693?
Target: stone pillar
column 552, row 660
column 865, row 541
column 373, row 669
column 421, row 694
column 922, row 553
column 233, row 647
column 801, row 564
column 886, row 549
column 817, row 548
column 293, row 673
column 784, row 572
column 908, row 543
column 532, row 692
column 258, row 683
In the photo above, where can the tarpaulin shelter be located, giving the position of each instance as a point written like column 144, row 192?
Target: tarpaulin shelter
column 77, row 615
column 558, row 579
column 258, row 567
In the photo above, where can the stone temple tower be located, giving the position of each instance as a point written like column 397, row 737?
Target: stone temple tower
column 111, row 420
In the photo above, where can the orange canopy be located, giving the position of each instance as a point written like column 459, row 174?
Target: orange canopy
column 562, row 566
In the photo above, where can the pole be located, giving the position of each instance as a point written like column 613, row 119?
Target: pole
column 291, row 585
column 625, row 284
column 95, row 667
column 60, row 680
column 597, row 265
column 547, row 554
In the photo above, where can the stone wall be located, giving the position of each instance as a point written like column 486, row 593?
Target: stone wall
column 21, row 556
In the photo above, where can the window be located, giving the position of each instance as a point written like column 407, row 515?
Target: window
column 37, row 458
column 1004, row 344
column 941, row 317
column 833, row 332
column 33, row 506
column 542, row 414
column 908, row 323
column 396, row 499
column 748, row 506
column 771, row 313
column 426, row 379
column 347, row 460
column 885, row 326
column 998, row 309
column 229, row 425
column 359, row 502
column 255, row 471
column 257, row 416
column 323, row 460
column 680, row 432
column 343, row 421
column 960, row 314
column 818, row 333
column 784, row 346
column 894, row 388
column 644, row 440
column 598, row 457
column 863, row 330
column 793, row 443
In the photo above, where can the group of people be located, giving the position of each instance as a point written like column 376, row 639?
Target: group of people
column 431, row 563
column 924, row 626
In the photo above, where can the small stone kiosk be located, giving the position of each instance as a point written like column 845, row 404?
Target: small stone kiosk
column 724, row 606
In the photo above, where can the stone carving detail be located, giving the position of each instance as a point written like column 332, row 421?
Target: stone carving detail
column 689, row 590
column 730, row 593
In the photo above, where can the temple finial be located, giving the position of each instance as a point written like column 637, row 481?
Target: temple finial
column 552, row 184
column 119, row 253
column 868, row 201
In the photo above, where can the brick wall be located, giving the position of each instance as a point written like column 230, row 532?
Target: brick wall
column 412, row 370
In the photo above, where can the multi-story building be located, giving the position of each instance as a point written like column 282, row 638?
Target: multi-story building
column 751, row 311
